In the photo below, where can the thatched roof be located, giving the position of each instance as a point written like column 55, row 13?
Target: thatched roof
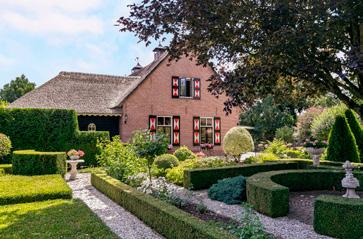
column 85, row 93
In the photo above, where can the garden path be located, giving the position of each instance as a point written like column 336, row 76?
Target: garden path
column 121, row 222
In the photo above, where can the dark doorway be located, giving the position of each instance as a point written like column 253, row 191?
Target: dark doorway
column 100, row 123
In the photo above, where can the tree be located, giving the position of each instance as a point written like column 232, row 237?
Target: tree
column 16, row 88
column 342, row 145
column 356, row 129
column 3, row 104
column 314, row 44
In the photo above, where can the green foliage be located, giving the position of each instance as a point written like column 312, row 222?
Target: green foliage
column 184, row 153
column 52, row 219
column 203, row 178
column 261, row 158
column 176, row 174
column 338, row 217
column 280, row 149
column 266, row 116
column 119, row 159
column 48, row 130
column 268, row 192
column 17, row 88
column 30, row 162
column 164, row 162
column 6, row 169
column 3, row 103
column 356, row 128
column 342, row 145
column 229, row 190
column 21, row 189
column 252, row 226
column 285, row 133
column 324, row 101
column 323, row 123
column 5, row 145
column 304, row 121
column 163, row 217
column 237, row 141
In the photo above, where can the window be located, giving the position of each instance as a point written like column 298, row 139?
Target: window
column 186, row 87
column 92, row 127
column 206, row 130
column 164, row 126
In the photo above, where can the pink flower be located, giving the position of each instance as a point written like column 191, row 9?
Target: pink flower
column 81, row 153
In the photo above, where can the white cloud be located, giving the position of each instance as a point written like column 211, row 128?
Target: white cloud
column 65, row 17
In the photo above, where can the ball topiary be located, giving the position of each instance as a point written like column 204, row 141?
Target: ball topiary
column 166, row 161
column 237, row 141
column 184, row 153
column 229, row 190
column 341, row 144
column 356, row 130
column 5, row 145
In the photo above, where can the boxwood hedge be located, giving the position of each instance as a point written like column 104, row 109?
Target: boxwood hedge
column 48, row 130
column 165, row 218
column 268, row 192
column 30, row 162
column 338, row 217
column 5, row 169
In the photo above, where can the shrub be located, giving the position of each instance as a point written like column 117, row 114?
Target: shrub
column 165, row 218
column 356, row 130
column 280, row 149
column 285, row 133
column 237, row 141
column 87, row 142
column 5, row 145
column 342, row 145
column 338, row 217
column 119, row 159
column 6, row 169
column 229, row 190
column 21, row 189
column 261, row 158
column 165, row 161
column 304, row 121
column 322, row 124
column 184, row 153
column 30, row 162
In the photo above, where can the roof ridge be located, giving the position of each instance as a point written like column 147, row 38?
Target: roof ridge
column 74, row 73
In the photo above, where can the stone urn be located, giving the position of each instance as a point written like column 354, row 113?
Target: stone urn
column 74, row 161
column 349, row 181
column 315, row 154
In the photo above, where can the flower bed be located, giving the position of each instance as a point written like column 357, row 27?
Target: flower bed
column 21, row 189
column 161, row 216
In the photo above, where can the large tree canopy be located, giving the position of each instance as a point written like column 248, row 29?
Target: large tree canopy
column 313, row 44
column 16, row 88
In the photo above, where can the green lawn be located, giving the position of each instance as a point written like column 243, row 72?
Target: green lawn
column 51, row 219
column 20, row 189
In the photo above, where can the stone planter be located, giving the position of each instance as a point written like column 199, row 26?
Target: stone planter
column 315, row 154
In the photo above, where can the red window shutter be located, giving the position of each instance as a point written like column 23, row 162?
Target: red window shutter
column 175, row 87
column 196, row 131
column 176, row 130
column 217, row 131
column 152, row 125
column 196, row 87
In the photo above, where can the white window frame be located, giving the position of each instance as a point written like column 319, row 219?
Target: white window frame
column 163, row 125
column 206, row 126
column 191, row 87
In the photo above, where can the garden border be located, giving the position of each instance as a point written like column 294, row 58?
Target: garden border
column 166, row 219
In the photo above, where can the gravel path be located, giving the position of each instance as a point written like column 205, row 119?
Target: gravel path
column 121, row 222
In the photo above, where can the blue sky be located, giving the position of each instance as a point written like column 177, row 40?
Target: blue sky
column 40, row 38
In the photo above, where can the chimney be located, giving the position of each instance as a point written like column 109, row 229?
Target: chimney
column 137, row 67
column 158, row 51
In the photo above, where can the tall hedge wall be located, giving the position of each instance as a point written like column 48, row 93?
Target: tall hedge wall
column 48, row 130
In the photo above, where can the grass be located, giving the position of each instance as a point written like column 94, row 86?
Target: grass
column 21, row 189
column 51, row 219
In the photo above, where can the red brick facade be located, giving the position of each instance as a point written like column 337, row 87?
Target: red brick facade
column 154, row 97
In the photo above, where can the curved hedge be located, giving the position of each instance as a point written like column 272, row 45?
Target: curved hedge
column 269, row 192
column 338, row 217
column 163, row 217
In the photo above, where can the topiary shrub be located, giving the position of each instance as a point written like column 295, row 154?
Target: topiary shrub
column 323, row 123
column 342, row 145
column 229, row 190
column 5, row 145
column 285, row 133
column 237, row 141
column 164, row 162
column 356, row 130
column 184, row 153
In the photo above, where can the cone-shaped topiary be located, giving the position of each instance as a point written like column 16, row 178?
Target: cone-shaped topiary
column 342, row 145
column 356, row 130
column 237, row 141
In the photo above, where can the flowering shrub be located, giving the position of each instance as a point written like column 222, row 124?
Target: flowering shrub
column 73, row 152
column 136, row 180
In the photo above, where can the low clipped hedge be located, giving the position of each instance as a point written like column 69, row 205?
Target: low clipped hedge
column 166, row 219
column 30, row 162
column 21, row 189
column 338, row 217
column 268, row 192
column 203, row 178
column 5, row 169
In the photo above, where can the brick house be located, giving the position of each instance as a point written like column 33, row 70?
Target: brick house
column 167, row 96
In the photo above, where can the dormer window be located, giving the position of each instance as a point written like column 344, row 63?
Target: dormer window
column 184, row 87
column 92, row 127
